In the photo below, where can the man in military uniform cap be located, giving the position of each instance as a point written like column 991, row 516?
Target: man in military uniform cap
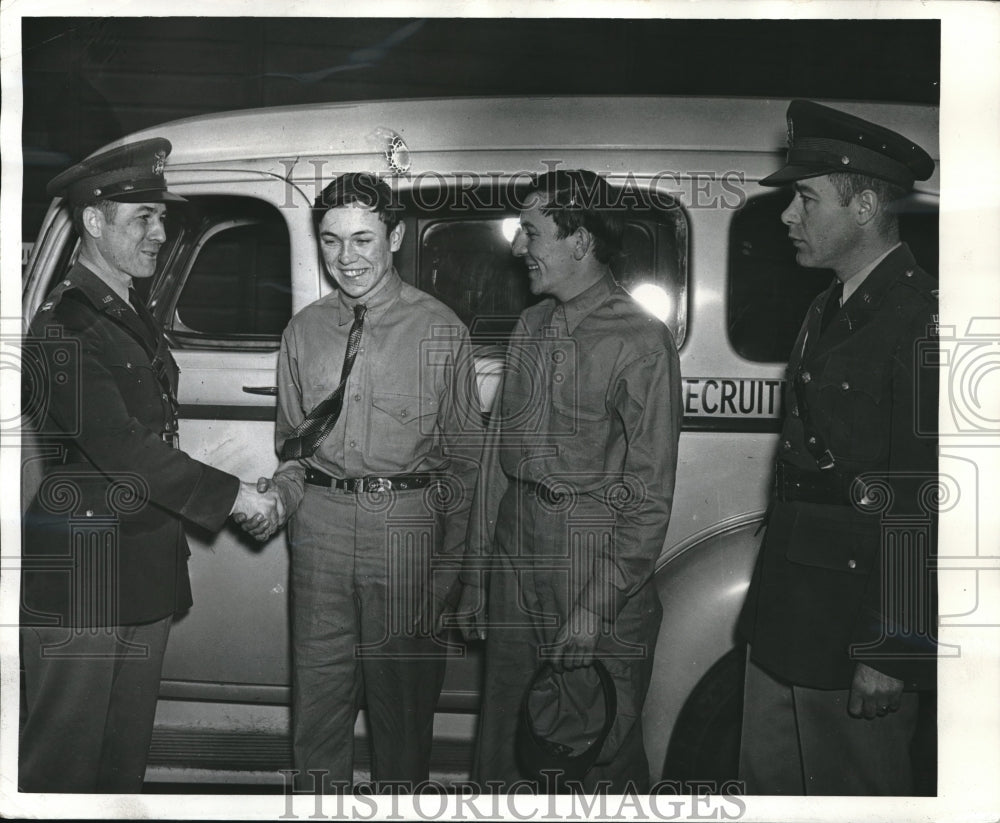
column 104, row 550
column 840, row 613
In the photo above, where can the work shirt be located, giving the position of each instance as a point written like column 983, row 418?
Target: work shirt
column 591, row 406
column 410, row 403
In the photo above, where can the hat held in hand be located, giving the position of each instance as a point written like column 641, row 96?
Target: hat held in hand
column 565, row 719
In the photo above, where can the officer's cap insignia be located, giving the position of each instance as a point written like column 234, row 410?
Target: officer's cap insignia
column 132, row 173
column 822, row 141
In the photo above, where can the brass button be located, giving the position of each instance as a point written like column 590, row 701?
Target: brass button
column 852, row 564
column 403, row 413
column 806, row 377
column 90, row 512
column 845, row 385
column 812, row 441
column 787, row 444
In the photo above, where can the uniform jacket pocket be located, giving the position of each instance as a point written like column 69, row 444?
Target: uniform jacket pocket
column 836, row 541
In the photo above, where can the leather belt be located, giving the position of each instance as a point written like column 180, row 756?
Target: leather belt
column 373, row 483
column 832, row 488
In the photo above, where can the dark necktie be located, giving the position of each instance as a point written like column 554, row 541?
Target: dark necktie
column 143, row 312
column 320, row 421
column 832, row 305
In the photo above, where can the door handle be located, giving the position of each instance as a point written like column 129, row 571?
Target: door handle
column 268, row 390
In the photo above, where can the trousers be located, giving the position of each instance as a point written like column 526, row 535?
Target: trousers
column 360, row 579
column 525, row 613
column 90, row 699
column 802, row 741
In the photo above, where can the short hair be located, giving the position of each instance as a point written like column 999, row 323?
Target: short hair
column 363, row 188
column 575, row 198
column 848, row 184
column 109, row 208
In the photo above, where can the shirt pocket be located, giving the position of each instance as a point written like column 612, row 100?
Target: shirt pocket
column 580, row 432
column 315, row 394
column 139, row 389
column 410, row 415
column 850, row 398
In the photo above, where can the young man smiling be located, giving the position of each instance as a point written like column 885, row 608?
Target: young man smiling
column 576, row 487
column 379, row 430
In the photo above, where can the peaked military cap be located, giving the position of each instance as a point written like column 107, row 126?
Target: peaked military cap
column 128, row 174
column 822, row 140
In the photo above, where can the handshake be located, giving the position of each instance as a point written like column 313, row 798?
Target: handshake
column 259, row 509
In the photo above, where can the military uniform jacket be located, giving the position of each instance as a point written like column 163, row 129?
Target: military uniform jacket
column 839, row 582
column 103, row 539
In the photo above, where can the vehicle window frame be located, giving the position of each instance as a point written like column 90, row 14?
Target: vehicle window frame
column 171, row 281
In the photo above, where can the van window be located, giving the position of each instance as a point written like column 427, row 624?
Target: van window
column 463, row 257
column 769, row 293
column 227, row 277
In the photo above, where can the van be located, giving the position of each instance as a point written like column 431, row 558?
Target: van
column 705, row 251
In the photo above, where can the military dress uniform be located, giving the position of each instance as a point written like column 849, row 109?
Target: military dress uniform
column 104, row 553
column 844, row 573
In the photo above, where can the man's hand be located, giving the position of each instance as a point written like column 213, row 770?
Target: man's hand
column 576, row 642
column 259, row 510
column 873, row 693
column 470, row 613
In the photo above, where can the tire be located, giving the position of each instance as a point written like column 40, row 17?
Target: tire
column 705, row 744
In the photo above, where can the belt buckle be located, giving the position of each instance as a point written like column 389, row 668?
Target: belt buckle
column 377, row 484
column 825, row 460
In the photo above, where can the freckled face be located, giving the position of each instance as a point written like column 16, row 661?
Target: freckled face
column 357, row 248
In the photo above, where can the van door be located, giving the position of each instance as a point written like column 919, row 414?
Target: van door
column 224, row 296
